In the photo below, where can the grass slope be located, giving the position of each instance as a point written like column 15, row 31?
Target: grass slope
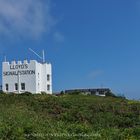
column 68, row 117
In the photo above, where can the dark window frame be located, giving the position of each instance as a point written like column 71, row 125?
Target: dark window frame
column 48, row 77
column 22, row 86
column 6, row 87
column 16, row 86
column 48, row 87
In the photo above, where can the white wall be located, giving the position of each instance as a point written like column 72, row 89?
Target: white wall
column 23, row 72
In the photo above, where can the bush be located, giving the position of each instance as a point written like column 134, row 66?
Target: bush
column 26, row 93
column 110, row 94
column 43, row 93
column 112, row 118
column 1, row 92
column 75, row 93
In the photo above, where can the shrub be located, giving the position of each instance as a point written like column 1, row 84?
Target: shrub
column 110, row 94
column 26, row 93
column 112, row 118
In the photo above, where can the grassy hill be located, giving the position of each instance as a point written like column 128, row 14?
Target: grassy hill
column 68, row 117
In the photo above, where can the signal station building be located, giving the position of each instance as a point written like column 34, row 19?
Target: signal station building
column 32, row 76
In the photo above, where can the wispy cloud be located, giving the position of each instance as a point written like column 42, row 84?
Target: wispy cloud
column 58, row 37
column 94, row 74
column 25, row 18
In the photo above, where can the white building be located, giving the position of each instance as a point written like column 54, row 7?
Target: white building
column 32, row 76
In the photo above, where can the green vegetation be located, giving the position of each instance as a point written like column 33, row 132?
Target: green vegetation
column 68, row 117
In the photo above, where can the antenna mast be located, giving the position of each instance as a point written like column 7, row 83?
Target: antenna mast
column 41, row 57
column 5, row 58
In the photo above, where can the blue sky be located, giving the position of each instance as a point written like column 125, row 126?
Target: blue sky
column 94, row 43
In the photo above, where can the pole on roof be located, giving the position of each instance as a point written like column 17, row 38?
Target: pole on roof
column 5, row 58
column 43, row 56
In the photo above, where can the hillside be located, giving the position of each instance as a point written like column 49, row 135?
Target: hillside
column 72, row 117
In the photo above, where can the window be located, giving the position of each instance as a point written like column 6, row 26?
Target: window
column 48, row 87
column 16, row 86
column 48, row 77
column 22, row 86
column 7, row 87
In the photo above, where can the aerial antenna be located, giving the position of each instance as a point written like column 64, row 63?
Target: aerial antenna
column 102, row 85
column 5, row 59
column 41, row 57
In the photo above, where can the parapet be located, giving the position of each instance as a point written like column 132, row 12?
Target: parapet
column 23, row 62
